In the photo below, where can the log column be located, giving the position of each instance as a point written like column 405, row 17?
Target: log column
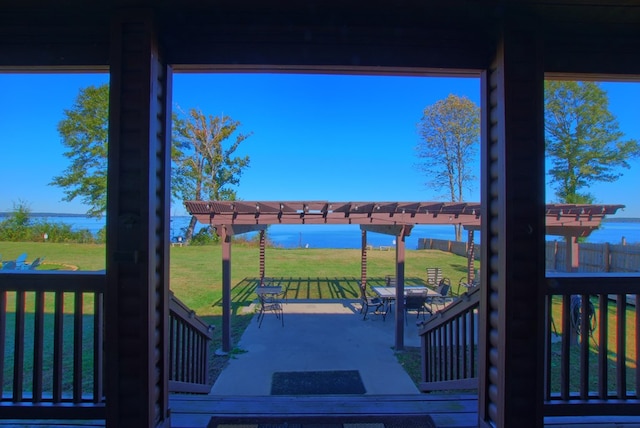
column 512, row 275
column 137, row 225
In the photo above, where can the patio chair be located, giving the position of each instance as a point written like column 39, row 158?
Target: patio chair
column 442, row 299
column 9, row 265
column 270, row 303
column 416, row 302
column 466, row 286
column 20, row 261
column 34, row 264
column 371, row 304
column 434, row 276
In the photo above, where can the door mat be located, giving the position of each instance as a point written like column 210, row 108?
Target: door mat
column 363, row 421
column 317, row 383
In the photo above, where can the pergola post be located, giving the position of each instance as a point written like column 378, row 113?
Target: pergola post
column 471, row 255
column 226, row 288
column 400, row 261
column 262, row 245
column 363, row 262
column 572, row 257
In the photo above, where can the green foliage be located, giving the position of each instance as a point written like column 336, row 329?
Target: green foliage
column 20, row 227
column 204, row 165
column 450, row 137
column 583, row 139
column 204, row 236
column 16, row 226
column 84, row 132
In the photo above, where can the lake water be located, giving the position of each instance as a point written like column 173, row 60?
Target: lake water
column 348, row 236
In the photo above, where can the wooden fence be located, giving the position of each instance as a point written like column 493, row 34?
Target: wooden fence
column 595, row 257
column 591, row 257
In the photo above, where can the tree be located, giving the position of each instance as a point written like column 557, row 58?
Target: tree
column 203, row 167
column 84, row 131
column 583, row 139
column 450, row 132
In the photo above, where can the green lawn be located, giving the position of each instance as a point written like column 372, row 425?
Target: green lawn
column 196, row 277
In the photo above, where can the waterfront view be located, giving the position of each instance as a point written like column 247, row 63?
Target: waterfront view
column 348, row 236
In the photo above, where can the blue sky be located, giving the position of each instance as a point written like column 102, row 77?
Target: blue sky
column 314, row 137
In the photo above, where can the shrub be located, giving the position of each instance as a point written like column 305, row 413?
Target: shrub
column 204, row 236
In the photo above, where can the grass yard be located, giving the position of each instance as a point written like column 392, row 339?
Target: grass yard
column 196, row 277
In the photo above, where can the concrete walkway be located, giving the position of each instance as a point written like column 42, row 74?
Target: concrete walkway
column 319, row 335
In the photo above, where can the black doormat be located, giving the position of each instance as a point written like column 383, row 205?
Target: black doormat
column 363, row 421
column 317, row 383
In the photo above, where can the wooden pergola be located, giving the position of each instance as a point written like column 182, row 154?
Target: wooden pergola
column 230, row 218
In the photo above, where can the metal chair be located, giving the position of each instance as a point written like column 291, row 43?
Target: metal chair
column 371, row 304
column 271, row 303
column 416, row 302
column 441, row 300
column 434, row 276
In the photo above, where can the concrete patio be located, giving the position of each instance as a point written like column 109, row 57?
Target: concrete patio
column 316, row 336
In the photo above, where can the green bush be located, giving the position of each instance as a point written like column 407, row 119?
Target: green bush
column 204, row 236
column 19, row 227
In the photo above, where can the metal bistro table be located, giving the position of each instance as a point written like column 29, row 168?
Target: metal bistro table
column 388, row 294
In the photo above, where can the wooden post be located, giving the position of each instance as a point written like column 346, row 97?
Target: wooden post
column 511, row 340
column 400, row 261
column 226, row 289
column 138, row 200
column 262, row 265
column 471, row 255
column 572, row 256
column 363, row 263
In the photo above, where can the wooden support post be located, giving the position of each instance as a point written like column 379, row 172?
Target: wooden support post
column 262, row 245
column 400, row 261
column 471, row 255
column 137, row 249
column 226, row 289
column 363, row 263
column 572, row 256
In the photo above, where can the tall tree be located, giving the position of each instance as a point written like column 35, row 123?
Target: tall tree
column 583, row 139
column 84, row 131
column 450, row 132
column 204, row 166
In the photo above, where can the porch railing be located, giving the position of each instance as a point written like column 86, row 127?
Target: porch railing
column 51, row 346
column 450, row 344
column 592, row 333
column 189, row 350
column 592, row 344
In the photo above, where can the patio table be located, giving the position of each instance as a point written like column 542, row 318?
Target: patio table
column 388, row 294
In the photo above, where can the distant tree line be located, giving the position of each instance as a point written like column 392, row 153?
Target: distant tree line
column 19, row 226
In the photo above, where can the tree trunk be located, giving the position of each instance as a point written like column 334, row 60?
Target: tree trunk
column 190, row 228
column 458, row 230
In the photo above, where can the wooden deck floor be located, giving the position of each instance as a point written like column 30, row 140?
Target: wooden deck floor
column 455, row 411
column 446, row 410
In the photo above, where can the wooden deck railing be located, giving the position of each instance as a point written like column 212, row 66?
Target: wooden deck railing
column 449, row 346
column 189, row 351
column 51, row 346
column 51, row 338
column 592, row 345
column 592, row 369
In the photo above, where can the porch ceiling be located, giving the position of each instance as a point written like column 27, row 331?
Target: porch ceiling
column 561, row 219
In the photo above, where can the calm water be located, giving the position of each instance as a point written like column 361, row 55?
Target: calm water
column 348, row 236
